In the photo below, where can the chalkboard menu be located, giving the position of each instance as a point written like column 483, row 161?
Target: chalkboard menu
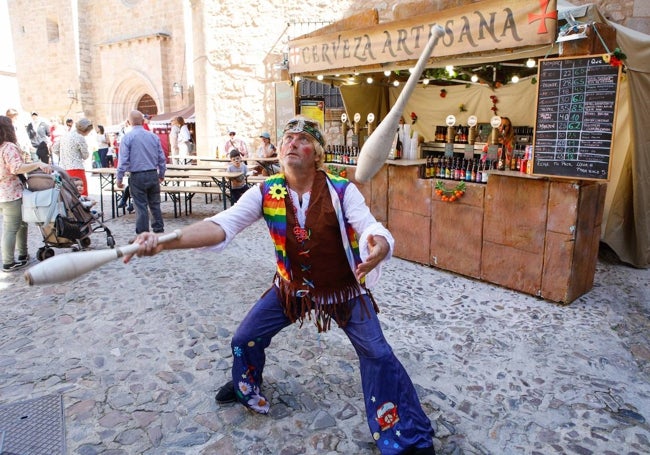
column 575, row 117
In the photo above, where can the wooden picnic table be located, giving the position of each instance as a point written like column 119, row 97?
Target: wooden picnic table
column 266, row 163
column 196, row 167
column 173, row 177
column 180, row 178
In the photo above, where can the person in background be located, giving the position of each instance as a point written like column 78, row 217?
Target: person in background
column 142, row 155
column 69, row 123
column 14, row 229
column 111, row 155
column 21, row 135
column 72, row 150
column 125, row 198
column 115, row 145
column 102, row 145
column 506, row 140
column 184, row 140
column 329, row 249
column 85, row 201
column 173, row 140
column 56, row 130
column 266, row 150
column 235, row 143
column 38, row 132
column 238, row 184
column 506, row 143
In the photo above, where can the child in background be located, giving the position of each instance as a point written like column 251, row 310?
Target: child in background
column 86, row 202
column 237, row 184
column 110, row 155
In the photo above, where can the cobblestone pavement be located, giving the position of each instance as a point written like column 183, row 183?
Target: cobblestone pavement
column 138, row 351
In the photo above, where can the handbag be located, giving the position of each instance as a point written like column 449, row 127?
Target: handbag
column 41, row 206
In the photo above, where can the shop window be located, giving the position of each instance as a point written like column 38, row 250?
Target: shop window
column 315, row 89
column 52, row 27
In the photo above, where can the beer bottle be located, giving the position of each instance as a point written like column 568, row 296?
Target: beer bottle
column 501, row 162
column 484, row 175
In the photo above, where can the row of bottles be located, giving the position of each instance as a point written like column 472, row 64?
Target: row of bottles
column 465, row 135
column 523, row 130
column 520, row 161
column 461, row 134
column 468, row 170
column 341, row 154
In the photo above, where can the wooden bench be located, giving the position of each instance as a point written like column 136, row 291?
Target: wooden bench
column 186, row 193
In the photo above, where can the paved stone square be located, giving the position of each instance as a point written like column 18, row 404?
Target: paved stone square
column 138, row 351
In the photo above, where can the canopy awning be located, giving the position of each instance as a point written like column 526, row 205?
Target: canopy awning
column 166, row 117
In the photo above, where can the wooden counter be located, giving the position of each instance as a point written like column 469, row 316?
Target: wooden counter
column 533, row 234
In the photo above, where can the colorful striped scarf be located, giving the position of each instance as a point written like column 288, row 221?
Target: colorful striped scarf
column 274, row 192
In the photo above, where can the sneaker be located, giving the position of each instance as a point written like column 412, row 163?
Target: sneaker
column 226, row 393
column 14, row 266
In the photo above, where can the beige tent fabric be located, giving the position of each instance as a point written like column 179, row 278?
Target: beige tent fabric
column 627, row 224
column 516, row 101
column 365, row 99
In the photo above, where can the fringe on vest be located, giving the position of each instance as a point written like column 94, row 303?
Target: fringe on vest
column 320, row 305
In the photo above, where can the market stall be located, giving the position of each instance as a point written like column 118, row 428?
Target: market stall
column 536, row 234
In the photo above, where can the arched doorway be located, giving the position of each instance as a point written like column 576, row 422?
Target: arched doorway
column 147, row 105
column 133, row 91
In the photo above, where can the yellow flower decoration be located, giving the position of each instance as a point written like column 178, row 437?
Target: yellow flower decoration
column 277, row 191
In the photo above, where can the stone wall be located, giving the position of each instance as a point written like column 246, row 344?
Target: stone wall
column 46, row 58
column 109, row 53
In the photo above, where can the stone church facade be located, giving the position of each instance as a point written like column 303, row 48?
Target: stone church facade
column 100, row 60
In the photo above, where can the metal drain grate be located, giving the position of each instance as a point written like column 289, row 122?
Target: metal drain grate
column 33, row 427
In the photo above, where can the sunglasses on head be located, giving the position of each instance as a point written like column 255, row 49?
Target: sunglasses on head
column 305, row 126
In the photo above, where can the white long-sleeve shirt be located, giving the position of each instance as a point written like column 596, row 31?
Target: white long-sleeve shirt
column 249, row 209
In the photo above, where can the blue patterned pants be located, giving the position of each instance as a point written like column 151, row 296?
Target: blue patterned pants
column 393, row 410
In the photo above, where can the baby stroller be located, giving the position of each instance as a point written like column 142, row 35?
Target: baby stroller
column 52, row 202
